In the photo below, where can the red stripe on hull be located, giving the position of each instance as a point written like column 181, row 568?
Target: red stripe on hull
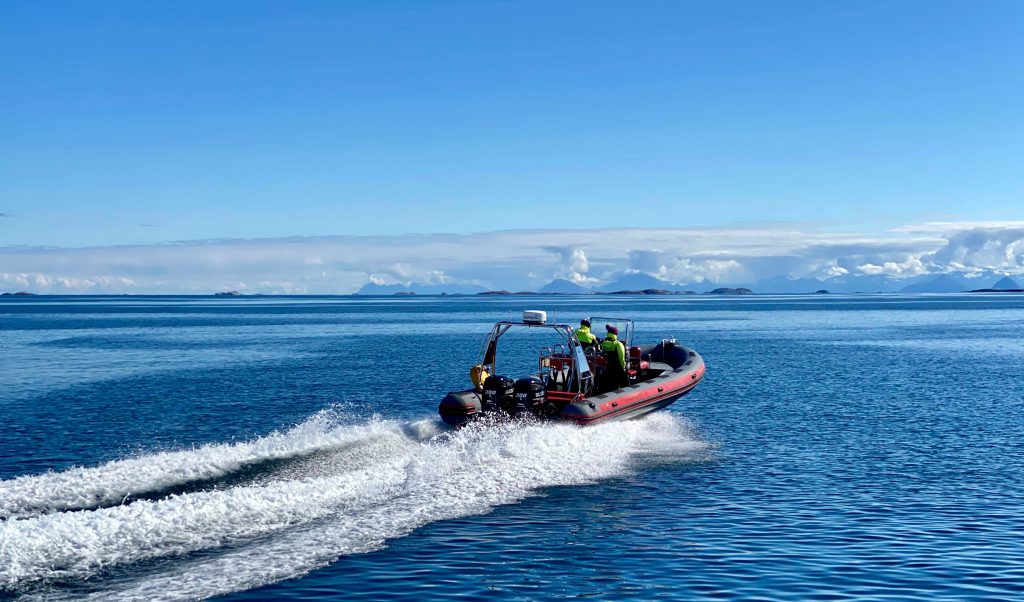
column 640, row 400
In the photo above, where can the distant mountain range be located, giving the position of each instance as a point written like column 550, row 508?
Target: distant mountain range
column 956, row 283
column 371, row 288
column 1006, row 283
column 781, row 284
column 838, row 284
column 639, row 281
column 944, row 283
column 633, row 281
column 561, row 286
column 928, row 283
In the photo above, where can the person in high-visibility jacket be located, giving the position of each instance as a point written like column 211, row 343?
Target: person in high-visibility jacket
column 478, row 374
column 584, row 336
column 615, row 375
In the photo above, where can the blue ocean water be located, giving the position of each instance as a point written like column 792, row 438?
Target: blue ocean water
column 840, row 447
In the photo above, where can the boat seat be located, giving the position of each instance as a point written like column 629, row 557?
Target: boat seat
column 644, row 366
column 559, row 362
column 558, row 380
column 660, row 367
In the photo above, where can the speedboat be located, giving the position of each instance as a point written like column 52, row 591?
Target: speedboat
column 574, row 382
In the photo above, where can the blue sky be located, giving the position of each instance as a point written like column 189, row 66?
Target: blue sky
column 142, row 123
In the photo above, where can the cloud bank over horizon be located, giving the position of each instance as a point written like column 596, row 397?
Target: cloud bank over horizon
column 518, row 259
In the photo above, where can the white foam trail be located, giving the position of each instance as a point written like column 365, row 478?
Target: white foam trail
column 305, row 523
column 111, row 483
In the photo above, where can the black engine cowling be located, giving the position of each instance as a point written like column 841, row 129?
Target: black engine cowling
column 498, row 393
column 529, row 396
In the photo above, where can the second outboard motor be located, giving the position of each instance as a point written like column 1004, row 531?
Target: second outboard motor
column 498, row 393
column 529, row 393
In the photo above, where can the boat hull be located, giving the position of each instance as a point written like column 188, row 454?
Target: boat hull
column 681, row 371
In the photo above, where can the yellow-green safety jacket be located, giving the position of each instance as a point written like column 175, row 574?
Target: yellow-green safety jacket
column 584, row 335
column 612, row 344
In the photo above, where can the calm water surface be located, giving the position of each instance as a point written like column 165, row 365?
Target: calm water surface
column 252, row 448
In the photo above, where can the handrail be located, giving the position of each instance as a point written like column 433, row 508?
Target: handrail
column 580, row 374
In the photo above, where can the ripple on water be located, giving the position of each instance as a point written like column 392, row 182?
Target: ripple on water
column 839, row 449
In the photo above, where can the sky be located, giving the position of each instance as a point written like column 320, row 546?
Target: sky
column 316, row 146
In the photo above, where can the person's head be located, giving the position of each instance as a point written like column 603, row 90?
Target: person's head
column 585, row 322
column 611, row 330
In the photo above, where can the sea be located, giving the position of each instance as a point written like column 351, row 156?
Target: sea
column 841, row 447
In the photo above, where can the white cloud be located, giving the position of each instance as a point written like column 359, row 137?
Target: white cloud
column 1000, row 248
column 50, row 283
column 574, row 264
column 947, row 228
column 437, row 277
column 904, row 269
column 519, row 259
column 684, row 270
column 834, row 270
column 646, row 260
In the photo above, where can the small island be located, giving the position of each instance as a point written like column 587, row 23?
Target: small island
column 228, row 294
column 1005, row 284
column 19, row 294
column 730, row 291
column 651, row 291
column 997, row 290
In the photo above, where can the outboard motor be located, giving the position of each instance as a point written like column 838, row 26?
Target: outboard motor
column 529, row 395
column 498, row 394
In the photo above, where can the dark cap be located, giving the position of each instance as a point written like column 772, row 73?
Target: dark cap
column 585, row 322
column 611, row 329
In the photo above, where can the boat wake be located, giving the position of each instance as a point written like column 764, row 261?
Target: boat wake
column 230, row 517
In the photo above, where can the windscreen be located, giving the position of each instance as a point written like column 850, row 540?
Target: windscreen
column 599, row 326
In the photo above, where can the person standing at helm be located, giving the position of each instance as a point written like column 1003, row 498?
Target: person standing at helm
column 615, row 373
column 584, row 336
